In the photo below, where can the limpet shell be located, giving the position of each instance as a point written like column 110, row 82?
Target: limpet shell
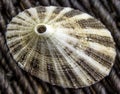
column 61, row 46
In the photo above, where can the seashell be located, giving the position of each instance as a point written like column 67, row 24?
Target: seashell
column 61, row 46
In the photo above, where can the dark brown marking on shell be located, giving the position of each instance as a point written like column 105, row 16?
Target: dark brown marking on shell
column 99, row 57
column 19, row 44
column 17, row 49
column 103, row 40
column 28, row 13
column 60, row 19
column 50, row 66
column 72, row 13
column 47, row 53
column 21, row 24
column 20, row 18
column 41, row 13
column 51, row 73
column 22, row 58
column 23, row 19
column 41, row 9
column 58, row 10
column 16, row 23
column 12, row 29
column 13, row 36
column 27, row 36
column 89, row 70
column 91, row 22
column 27, row 39
column 34, row 64
column 67, row 69
column 83, row 66
column 82, row 62
column 51, row 70
column 38, row 46
column 68, row 72
column 39, row 50
column 13, row 44
column 69, row 15
column 68, row 25
column 70, row 76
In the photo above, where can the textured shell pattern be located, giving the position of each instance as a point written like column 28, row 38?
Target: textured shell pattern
column 74, row 50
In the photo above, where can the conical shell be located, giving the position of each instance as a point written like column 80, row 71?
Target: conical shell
column 61, row 46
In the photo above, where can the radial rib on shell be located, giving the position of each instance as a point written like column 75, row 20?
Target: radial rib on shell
column 61, row 46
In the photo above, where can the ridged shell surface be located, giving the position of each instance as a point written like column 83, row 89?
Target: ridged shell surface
column 61, row 46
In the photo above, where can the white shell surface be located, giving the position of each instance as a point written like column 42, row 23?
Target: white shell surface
column 75, row 50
